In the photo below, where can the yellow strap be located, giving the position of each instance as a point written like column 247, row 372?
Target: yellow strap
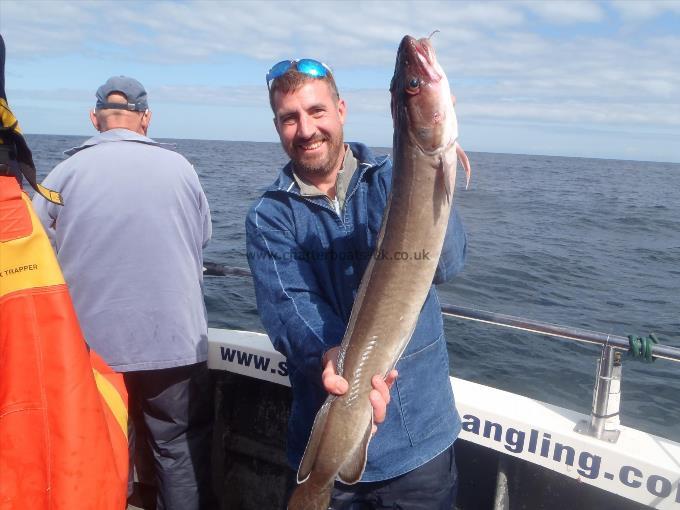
column 51, row 195
column 7, row 118
column 9, row 121
column 113, row 400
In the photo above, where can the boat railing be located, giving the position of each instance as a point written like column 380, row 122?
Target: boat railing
column 604, row 415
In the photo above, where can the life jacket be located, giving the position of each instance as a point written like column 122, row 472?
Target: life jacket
column 63, row 411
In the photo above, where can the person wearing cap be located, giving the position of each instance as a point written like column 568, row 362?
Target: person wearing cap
column 129, row 239
column 309, row 240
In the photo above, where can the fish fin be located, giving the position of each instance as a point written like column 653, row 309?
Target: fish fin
column 466, row 164
column 353, row 468
column 448, row 169
column 315, row 436
column 310, row 496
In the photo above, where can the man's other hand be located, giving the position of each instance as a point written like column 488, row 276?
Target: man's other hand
column 337, row 385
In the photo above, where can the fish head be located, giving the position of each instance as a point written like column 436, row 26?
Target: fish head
column 422, row 105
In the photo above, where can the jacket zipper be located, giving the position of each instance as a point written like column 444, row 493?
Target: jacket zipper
column 336, row 205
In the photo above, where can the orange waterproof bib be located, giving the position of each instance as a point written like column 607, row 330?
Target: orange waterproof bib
column 63, row 411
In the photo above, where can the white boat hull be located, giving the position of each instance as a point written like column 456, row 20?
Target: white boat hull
column 639, row 467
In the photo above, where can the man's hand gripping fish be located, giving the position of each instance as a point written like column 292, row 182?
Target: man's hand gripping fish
column 392, row 292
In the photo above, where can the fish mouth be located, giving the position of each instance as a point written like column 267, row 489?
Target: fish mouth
column 425, row 58
column 416, row 57
column 425, row 50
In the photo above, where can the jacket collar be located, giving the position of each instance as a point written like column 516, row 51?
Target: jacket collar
column 117, row 135
column 365, row 160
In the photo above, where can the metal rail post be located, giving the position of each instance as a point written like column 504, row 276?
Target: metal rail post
column 606, row 398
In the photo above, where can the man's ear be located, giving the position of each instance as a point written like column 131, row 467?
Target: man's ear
column 342, row 110
column 95, row 120
column 146, row 120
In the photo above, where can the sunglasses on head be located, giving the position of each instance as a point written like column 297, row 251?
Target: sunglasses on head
column 307, row 66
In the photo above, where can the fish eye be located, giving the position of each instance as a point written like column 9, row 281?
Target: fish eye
column 414, row 83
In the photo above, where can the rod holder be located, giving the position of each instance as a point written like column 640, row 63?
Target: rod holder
column 604, row 416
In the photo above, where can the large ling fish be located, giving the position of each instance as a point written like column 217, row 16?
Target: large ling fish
column 392, row 292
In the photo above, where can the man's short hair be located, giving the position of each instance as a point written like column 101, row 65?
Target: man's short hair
column 292, row 80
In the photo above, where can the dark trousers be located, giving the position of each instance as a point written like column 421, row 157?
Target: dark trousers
column 432, row 486
column 171, row 410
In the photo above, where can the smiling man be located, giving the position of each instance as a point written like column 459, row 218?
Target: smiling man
column 309, row 240
column 309, row 115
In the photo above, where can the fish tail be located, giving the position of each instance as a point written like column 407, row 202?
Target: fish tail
column 310, row 496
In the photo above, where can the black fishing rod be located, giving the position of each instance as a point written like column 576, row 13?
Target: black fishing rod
column 213, row 269
column 509, row 321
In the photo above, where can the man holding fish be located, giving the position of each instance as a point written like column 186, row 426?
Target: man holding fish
column 342, row 315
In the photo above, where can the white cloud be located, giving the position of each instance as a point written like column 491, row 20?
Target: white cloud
column 566, row 11
column 615, row 116
column 645, row 10
column 501, row 61
column 173, row 31
column 57, row 95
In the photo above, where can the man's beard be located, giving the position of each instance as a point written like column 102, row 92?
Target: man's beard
column 323, row 167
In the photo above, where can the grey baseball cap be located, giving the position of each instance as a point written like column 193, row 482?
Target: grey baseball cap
column 129, row 87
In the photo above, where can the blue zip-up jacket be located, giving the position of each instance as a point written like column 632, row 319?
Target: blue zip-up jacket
column 307, row 262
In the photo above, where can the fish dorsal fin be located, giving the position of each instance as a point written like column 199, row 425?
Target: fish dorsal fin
column 353, row 468
column 315, row 436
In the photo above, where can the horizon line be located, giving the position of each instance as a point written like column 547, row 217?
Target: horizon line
column 385, row 147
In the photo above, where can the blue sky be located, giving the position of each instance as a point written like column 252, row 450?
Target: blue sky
column 572, row 78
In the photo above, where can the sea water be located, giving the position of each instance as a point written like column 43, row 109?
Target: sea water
column 588, row 243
